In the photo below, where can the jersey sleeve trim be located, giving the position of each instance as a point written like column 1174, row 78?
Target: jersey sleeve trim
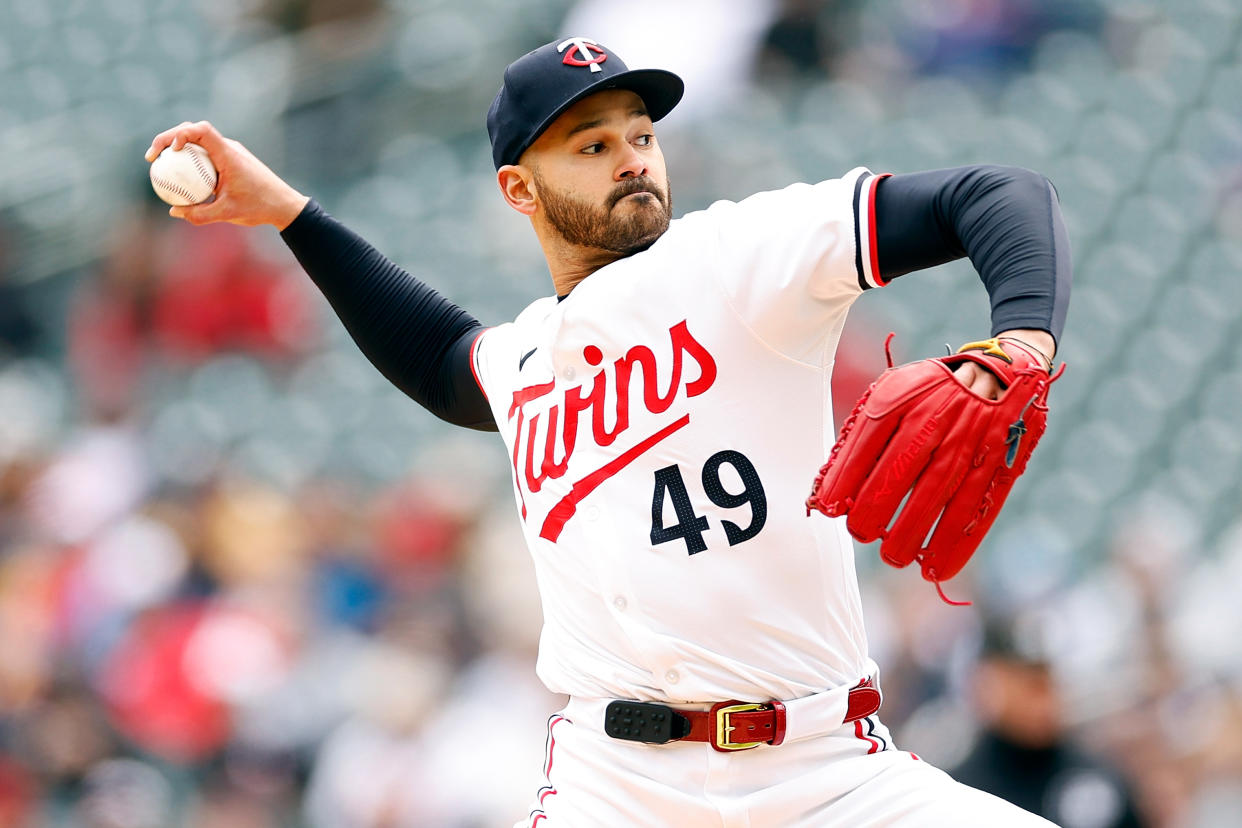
column 474, row 360
column 866, row 249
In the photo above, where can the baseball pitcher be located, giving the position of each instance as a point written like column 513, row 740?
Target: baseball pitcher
column 666, row 413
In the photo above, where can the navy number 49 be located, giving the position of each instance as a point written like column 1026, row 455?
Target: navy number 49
column 689, row 526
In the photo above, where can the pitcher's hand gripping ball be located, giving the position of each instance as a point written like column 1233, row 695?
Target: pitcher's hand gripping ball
column 918, row 431
column 183, row 177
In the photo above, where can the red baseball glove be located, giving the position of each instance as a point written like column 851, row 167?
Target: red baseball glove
column 919, row 435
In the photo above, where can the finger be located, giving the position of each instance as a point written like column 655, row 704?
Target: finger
column 966, row 519
column 985, row 385
column 856, row 455
column 923, row 427
column 862, row 440
column 204, row 213
column 949, row 466
column 163, row 140
column 966, row 373
column 974, row 506
column 979, row 380
column 203, row 134
column 199, row 132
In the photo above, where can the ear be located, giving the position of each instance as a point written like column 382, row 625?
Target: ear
column 518, row 187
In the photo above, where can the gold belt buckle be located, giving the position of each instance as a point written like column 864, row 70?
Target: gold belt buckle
column 724, row 728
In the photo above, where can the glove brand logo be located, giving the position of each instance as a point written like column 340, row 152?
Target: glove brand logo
column 584, row 53
column 559, row 422
column 897, row 472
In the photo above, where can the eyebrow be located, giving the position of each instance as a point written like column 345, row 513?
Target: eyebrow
column 585, row 125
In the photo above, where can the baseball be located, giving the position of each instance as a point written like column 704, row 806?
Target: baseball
column 185, row 176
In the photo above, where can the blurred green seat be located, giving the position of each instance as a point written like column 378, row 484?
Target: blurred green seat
column 1136, row 408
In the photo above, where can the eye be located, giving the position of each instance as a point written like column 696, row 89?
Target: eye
column 646, row 139
column 593, row 149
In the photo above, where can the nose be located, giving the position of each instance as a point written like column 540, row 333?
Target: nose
column 632, row 164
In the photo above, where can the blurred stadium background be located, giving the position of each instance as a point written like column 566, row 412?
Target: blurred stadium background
column 243, row 582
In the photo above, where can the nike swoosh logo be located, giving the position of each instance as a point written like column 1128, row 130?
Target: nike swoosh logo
column 527, row 356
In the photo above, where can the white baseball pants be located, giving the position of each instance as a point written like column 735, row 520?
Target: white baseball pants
column 852, row 777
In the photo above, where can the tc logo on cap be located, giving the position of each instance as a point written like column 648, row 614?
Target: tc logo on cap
column 585, row 53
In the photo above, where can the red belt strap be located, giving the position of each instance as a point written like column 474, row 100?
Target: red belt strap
column 734, row 725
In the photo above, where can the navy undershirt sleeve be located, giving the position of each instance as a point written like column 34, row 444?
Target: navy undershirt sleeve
column 1006, row 219
column 417, row 339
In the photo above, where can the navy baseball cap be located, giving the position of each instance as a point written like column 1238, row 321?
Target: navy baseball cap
column 542, row 84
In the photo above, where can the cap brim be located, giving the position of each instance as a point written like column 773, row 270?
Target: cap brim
column 660, row 90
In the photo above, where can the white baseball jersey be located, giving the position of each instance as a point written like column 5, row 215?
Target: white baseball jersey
column 664, row 423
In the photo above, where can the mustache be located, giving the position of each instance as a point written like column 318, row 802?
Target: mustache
column 630, row 186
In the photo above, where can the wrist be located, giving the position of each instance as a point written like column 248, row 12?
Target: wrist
column 1039, row 344
column 289, row 209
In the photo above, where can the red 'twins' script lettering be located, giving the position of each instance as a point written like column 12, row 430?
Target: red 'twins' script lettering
column 564, row 416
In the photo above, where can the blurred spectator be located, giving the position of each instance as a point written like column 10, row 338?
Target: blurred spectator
column 985, row 41
column 497, row 698
column 218, row 292
column 1173, row 717
column 251, row 534
column 374, row 769
column 1023, row 753
column 296, row 15
column 349, row 588
column 171, row 683
column 62, row 738
column 18, row 794
column 99, row 475
column 29, row 577
column 126, row 793
column 164, row 295
column 153, row 699
column 805, row 38
column 419, row 532
column 110, row 318
column 16, row 476
column 223, row 804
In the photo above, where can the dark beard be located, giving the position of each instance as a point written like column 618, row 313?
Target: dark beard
column 589, row 226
